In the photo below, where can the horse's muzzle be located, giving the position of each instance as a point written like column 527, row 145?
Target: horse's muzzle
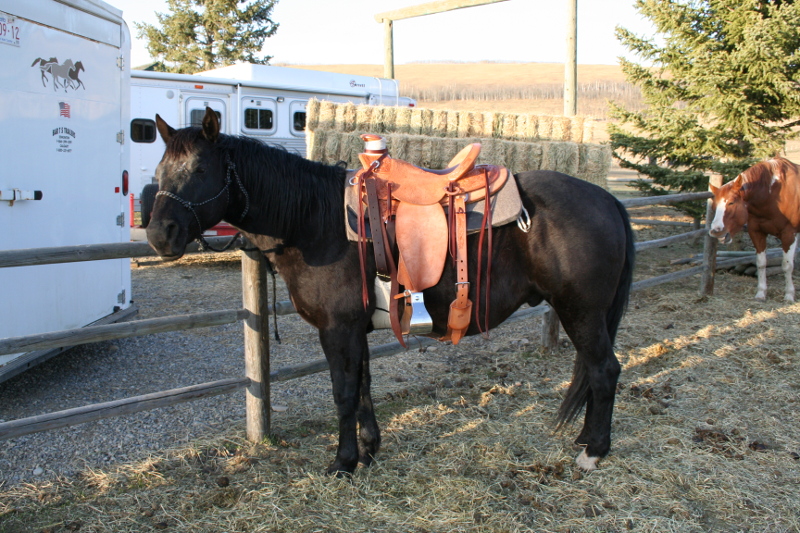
column 167, row 239
column 724, row 237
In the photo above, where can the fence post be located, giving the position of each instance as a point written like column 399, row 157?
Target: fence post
column 256, row 344
column 709, row 246
column 550, row 326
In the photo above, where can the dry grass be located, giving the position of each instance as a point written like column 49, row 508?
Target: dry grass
column 497, row 87
column 706, row 437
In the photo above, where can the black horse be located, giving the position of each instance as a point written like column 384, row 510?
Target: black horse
column 578, row 255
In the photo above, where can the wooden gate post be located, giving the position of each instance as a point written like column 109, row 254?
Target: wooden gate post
column 709, row 246
column 550, row 326
column 256, row 344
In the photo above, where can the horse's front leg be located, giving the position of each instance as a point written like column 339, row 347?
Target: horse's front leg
column 348, row 356
column 787, row 265
column 761, row 270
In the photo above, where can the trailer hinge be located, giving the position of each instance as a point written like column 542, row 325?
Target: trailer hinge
column 121, row 297
column 121, row 62
column 121, row 136
column 121, row 220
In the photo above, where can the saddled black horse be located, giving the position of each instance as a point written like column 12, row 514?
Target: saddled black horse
column 578, row 255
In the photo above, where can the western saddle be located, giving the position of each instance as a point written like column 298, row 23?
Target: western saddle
column 422, row 213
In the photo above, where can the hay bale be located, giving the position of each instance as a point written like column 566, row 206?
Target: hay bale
column 545, row 127
column 327, row 115
column 364, row 118
column 426, row 117
column 402, row 122
column 348, row 120
column 351, row 146
column 383, row 119
column 509, row 126
column 532, row 127
column 312, row 114
column 398, row 146
column 439, row 124
column 561, row 157
column 314, row 145
column 415, row 125
column 333, row 145
column 594, row 163
column 451, row 129
column 488, row 125
column 578, row 124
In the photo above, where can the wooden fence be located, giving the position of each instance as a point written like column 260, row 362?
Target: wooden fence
column 254, row 315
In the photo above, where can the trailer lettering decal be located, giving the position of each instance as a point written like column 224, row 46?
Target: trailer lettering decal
column 353, row 83
column 62, row 75
column 64, row 137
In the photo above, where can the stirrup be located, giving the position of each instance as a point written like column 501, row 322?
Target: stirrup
column 420, row 322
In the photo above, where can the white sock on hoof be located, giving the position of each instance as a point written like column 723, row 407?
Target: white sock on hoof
column 586, row 463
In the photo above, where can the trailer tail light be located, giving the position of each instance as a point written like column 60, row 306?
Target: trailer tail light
column 198, row 86
column 125, row 182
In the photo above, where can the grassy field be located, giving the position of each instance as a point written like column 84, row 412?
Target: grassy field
column 509, row 87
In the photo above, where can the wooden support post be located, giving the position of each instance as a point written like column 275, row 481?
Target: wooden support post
column 709, row 247
column 256, row 344
column 571, row 63
column 550, row 326
column 388, row 52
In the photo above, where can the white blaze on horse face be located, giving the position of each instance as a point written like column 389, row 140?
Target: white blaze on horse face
column 717, row 225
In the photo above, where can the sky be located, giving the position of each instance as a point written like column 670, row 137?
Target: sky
column 327, row 32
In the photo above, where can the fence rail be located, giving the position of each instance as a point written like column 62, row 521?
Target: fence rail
column 254, row 316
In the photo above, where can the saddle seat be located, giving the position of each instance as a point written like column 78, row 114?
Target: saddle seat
column 408, row 204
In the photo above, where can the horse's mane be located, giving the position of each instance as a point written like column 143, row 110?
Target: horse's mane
column 288, row 187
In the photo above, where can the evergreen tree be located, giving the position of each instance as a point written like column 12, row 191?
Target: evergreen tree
column 721, row 88
column 203, row 34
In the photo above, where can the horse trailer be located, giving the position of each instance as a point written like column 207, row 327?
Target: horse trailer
column 264, row 102
column 65, row 89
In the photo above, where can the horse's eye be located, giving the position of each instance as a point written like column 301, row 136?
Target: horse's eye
column 200, row 170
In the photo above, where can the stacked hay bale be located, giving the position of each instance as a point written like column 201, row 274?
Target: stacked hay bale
column 430, row 138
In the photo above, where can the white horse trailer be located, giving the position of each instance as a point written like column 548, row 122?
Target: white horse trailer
column 264, row 102
column 64, row 88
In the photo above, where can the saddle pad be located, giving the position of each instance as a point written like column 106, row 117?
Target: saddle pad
column 506, row 206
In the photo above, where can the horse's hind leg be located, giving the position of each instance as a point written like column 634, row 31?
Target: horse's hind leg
column 594, row 384
column 369, row 435
column 347, row 353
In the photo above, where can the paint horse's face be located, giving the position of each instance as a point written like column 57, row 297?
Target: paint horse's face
column 729, row 211
column 193, row 194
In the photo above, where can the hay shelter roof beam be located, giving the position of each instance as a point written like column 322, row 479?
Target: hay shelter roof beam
column 430, row 8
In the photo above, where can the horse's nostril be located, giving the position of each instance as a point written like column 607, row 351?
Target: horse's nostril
column 171, row 231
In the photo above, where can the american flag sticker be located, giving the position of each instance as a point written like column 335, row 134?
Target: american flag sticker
column 63, row 109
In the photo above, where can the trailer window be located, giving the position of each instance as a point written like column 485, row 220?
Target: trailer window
column 299, row 121
column 143, row 130
column 257, row 119
column 196, row 117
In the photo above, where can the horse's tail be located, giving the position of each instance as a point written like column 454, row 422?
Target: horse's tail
column 578, row 392
column 620, row 303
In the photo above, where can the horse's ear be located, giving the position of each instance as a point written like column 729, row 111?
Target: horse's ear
column 714, row 190
column 164, row 129
column 736, row 184
column 210, row 125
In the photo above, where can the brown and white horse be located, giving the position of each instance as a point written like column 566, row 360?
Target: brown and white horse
column 766, row 198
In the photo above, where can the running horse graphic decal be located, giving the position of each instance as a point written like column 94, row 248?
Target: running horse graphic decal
column 64, row 75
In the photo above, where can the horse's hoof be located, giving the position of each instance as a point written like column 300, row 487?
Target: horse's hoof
column 586, row 463
column 338, row 472
column 761, row 298
column 365, row 460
